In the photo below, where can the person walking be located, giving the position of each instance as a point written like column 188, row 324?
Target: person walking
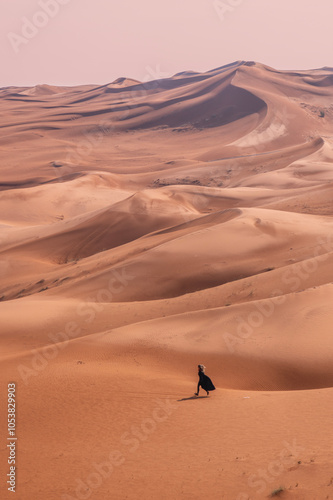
column 204, row 381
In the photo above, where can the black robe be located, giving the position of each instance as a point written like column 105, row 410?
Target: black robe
column 205, row 382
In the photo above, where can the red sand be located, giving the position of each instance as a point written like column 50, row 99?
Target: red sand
column 146, row 228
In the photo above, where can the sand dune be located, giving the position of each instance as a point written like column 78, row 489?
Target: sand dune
column 146, row 227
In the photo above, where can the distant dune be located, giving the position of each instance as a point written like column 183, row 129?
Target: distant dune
column 147, row 227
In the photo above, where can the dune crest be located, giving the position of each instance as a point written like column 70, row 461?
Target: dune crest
column 147, row 227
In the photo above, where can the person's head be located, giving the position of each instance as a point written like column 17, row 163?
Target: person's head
column 202, row 368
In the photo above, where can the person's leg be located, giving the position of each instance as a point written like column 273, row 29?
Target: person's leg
column 197, row 393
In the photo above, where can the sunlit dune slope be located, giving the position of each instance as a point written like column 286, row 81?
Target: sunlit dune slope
column 146, row 227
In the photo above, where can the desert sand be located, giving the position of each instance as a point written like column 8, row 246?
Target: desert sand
column 150, row 227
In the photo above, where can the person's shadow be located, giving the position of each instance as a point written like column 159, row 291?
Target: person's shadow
column 193, row 397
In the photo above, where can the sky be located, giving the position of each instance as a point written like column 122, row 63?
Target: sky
column 71, row 42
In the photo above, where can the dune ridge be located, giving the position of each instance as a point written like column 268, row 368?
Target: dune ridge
column 146, row 227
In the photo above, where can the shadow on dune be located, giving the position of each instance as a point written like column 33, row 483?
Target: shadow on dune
column 193, row 397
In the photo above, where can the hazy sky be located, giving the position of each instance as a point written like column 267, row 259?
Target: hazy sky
column 68, row 42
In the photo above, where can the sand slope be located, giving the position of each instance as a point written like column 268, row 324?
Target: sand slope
column 149, row 227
